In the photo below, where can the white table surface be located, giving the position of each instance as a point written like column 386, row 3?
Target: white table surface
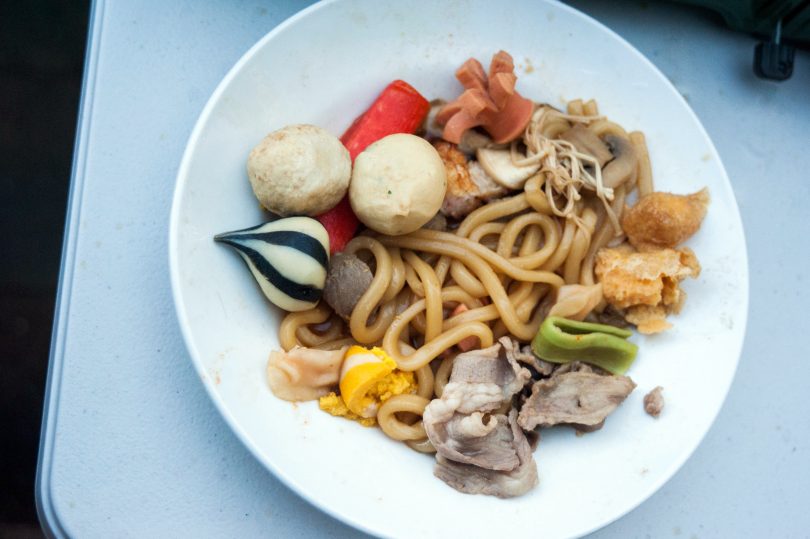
column 131, row 445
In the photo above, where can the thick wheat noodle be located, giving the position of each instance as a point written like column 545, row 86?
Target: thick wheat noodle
column 511, row 242
column 484, row 272
column 579, row 247
column 422, row 446
column 397, row 275
column 432, row 291
column 554, row 127
column 536, row 196
column 425, row 381
column 529, row 241
column 359, row 326
column 396, row 429
column 442, row 267
column 486, row 229
column 413, row 281
column 644, row 180
column 442, row 375
column 455, row 294
column 525, row 308
column 551, row 239
column 337, row 344
column 289, row 324
column 466, row 280
column 311, row 339
column 488, row 313
column 465, row 250
column 450, row 294
column 575, row 107
column 403, row 301
column 563, row 248
column 601, row 238
column 482, row 216
column 603, row 127
column 590, row 108
column 419, row 323
column 429, row 351
column 492, row 212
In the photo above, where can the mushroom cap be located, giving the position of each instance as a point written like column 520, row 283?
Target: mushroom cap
column 498, row 164
column 299, row 170
column 346, row 282
column 398, row 184
column 623, row 166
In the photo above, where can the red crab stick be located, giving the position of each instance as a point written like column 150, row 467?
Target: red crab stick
column 398, row 109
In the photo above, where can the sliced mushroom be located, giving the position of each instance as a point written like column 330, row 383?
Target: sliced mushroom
column 472, row 140
column 624, row 164
column 585, row 141
column 430, row 127
column 346, row 282
column 499, row 165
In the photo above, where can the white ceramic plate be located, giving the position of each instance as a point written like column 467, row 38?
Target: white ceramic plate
column 324, row 66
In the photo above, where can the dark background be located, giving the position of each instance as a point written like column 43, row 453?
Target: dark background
column 41, row 59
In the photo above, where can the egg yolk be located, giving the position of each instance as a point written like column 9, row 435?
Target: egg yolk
column 368, row 379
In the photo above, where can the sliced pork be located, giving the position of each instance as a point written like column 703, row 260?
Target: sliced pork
column 480, row 439
column 526, row 357
column 468, row 184
column 497, row 365
column 472, row 479
column 477, row 449
column 654, row 402
column 581, row 398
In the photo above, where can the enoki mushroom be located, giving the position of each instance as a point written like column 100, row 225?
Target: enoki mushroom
column 563, row 169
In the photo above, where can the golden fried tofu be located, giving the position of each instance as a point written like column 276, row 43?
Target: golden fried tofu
column 648, row 319
column 664, row 219
column 646, row 284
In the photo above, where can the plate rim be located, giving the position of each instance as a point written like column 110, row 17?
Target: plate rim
column 219, row 403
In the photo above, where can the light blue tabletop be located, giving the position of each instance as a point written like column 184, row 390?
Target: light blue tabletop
column 132, row 447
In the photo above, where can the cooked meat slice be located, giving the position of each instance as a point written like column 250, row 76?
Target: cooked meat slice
column 473, row 479
column 582, row 399
column 481, row 381
column 468, row 184
column 526, row 356
column 480, row 439
column 654, row 402
column 480, row 451
column 487, row 187
column 585, row 141
column 495, row 365
column 576, row 366
column 465, row 399
column 461, row 196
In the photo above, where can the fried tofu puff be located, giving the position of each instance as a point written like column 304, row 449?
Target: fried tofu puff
column 647, row 284
column 664, row 220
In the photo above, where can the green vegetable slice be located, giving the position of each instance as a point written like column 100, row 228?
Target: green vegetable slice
column 561, row 341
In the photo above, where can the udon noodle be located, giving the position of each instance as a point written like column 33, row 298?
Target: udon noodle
column 503, row 262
